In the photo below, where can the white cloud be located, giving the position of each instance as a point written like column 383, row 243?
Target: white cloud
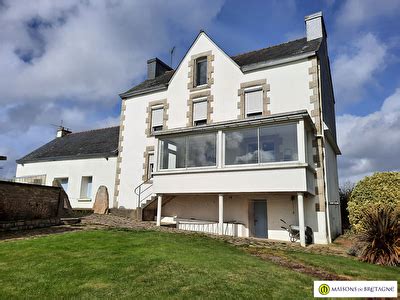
column 88, row 50
column 355, row 13
column 68, row 60
column 356, row 66
column 370, row 143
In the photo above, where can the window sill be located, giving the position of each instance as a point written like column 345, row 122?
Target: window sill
column 84, row 200
column 200, row 87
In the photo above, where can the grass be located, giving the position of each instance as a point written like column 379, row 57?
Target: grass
column 151, row 264
column 145, row 264
column 347, row 266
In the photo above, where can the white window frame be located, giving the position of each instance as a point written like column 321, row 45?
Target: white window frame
column 150, row 172
column 238, row 166
column 202, row 58
column 251, row 90
column 194, row 102
column 87, row 198
column 160, row 124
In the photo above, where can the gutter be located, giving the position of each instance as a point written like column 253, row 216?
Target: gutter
column 143, row 91
column 270, row 63
column 59, row 158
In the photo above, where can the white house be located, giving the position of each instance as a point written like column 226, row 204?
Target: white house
column 80, row 161
column 232, row 144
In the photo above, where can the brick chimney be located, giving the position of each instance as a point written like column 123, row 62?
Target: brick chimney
column 62, row 131
column 315, row 26
column 156, row 67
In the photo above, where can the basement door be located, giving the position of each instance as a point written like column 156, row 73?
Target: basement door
column 260, row 218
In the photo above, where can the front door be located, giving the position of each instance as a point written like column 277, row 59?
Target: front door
column 260, row 218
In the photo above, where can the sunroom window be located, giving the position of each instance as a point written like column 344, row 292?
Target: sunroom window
column 241, row 146
column 278, row 143
column 201, row 150
column 188, row 151
column 261, row 145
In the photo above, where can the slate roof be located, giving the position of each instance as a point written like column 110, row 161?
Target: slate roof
column 86, row 144
column 281, row 51
column 159, row 81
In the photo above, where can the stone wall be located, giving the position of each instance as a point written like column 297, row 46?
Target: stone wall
column 28, row 205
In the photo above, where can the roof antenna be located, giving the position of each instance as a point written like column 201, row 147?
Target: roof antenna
column 171, row 52
column 61, row 126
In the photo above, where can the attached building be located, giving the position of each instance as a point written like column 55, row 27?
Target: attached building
column 80, row 161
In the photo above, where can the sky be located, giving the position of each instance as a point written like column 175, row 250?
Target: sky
column 69, row 59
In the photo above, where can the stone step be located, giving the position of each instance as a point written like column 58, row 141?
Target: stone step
column 70, row 221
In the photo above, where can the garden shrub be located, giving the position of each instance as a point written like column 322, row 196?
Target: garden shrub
column 378, row 190
column 380, row 236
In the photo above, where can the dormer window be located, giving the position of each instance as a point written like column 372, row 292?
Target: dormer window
column 157, row 121
column 201, row 71
column 253, row 102
column 200, row 112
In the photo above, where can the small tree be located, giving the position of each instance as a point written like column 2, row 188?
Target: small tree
column 380, row 236
column 344, row 194
column 378, row 190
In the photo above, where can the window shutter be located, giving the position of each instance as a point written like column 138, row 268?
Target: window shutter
column 157, row 117
column 200, row 110
column 254, row 102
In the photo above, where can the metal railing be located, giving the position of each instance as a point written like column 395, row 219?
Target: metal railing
column 143, row 192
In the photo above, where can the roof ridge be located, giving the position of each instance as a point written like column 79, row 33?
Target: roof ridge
column 269, row 47
column 90, row 130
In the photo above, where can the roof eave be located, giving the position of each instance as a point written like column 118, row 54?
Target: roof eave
column 329, row 136
column 59, row 158
column 143, row 91
column 270, row 63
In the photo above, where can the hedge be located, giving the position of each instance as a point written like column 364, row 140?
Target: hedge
column 379, row 190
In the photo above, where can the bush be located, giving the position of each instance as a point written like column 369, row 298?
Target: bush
column 344, row 195
column 378, row 190
column 381, row 237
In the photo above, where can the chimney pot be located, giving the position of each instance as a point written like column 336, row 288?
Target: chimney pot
column 315, row 27
column 62, row 131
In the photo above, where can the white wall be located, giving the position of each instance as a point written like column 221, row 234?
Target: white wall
column 236, row 208
column 224, row 180
column 289, row 91
column 101, row 170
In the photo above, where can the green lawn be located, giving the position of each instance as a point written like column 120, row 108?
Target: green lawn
column 151, row 264
column 346, row 266
column 146, row 264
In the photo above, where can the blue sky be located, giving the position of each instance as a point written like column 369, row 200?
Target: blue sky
column 68, row 60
